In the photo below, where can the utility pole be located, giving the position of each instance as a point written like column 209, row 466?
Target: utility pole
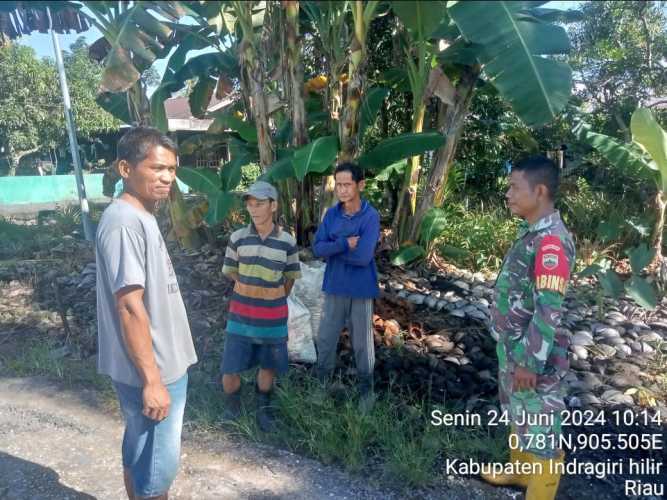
column 73, row 143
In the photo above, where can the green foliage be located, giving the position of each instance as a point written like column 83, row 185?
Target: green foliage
column 637, row 287
column 647, row 132
column 621, row 155
column 201, row 95
column 219, row 206
column 228, row 120
column 135, row 35
column 492, row 135
column 316, row 157
column 30, row 111
column 648, row 152
column 397, row 148
column 614, row 51
column 512, row 55
column 335, row 432
column 83, row 79
column 369, row 109
column 408, row 254
column 610, row 282
column 419, row 17
column 640, row 257
column 281, row 169
column 216, row 186
column 597, row 215
column 231, row 173
column 642, row 292
column 471, row 239
column 477, row 240
column 396, row 439
column 203, row 180
column 432, row 226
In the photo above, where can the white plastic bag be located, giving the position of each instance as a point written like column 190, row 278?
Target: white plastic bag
column 306, row 297
column 300, row 345
column 309, row 290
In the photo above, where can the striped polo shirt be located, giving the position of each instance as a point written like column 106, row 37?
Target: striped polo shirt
column 258, row 307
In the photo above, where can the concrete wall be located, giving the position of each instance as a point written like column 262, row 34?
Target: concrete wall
column 26, row 190
column 32, row 193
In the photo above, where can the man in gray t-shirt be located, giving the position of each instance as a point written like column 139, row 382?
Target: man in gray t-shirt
column 144, row 340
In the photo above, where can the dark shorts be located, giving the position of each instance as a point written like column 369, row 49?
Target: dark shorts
column 241, row 354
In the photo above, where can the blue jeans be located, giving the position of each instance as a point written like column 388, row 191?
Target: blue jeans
column 152, row 449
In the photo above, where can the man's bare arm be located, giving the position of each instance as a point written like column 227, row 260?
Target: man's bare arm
column 135, row 325
column 288, row 287
column 233, row 276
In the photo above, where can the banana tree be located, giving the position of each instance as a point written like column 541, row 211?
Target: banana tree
column 431, row 228
column 506, row 43
column 305, row 202
column 646, row 155
column 332, row 37
column 329, row 21
column 419, row 19
column 362, row 15
column 134, row 36
column 250, row 17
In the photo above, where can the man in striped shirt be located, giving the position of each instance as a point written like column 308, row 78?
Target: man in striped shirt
column 263, row 261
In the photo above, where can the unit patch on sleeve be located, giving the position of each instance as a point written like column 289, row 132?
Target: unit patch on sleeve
column 552, row 270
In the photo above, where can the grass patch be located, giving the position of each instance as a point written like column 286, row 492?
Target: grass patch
column 23, row 241
column 45, row 358
column 395, row 443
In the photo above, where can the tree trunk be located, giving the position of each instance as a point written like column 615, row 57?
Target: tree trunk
column 349, row 116
column 186, row 235
column 252, row 72
column 305, row 202
column 407, row 202
column 253, row 78
column 450, row 124
column 15, row 159
column 334, row 100
column 13, row 165
column 295, row 75
column 349, row 124
column 660, row 204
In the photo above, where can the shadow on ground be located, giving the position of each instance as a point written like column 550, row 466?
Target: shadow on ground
column 21, row 479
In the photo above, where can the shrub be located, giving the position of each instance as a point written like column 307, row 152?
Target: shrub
column 478, row 240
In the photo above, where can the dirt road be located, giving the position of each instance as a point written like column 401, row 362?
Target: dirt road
column 58, row 444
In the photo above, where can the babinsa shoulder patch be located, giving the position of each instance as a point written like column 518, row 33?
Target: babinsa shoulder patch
column 552, row 269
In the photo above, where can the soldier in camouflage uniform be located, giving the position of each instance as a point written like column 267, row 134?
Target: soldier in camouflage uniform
column 532, row 349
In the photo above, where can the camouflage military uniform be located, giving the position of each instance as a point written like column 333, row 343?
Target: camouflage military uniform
column 525, row 321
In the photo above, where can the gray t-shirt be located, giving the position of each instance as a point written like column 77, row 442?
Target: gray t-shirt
column 131, row 251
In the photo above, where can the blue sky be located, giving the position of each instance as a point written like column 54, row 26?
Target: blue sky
column 43, row 45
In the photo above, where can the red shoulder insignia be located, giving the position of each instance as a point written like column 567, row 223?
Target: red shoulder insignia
column 552, row 269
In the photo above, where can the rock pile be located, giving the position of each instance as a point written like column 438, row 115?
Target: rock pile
column 431, row 329
column 615, row 345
